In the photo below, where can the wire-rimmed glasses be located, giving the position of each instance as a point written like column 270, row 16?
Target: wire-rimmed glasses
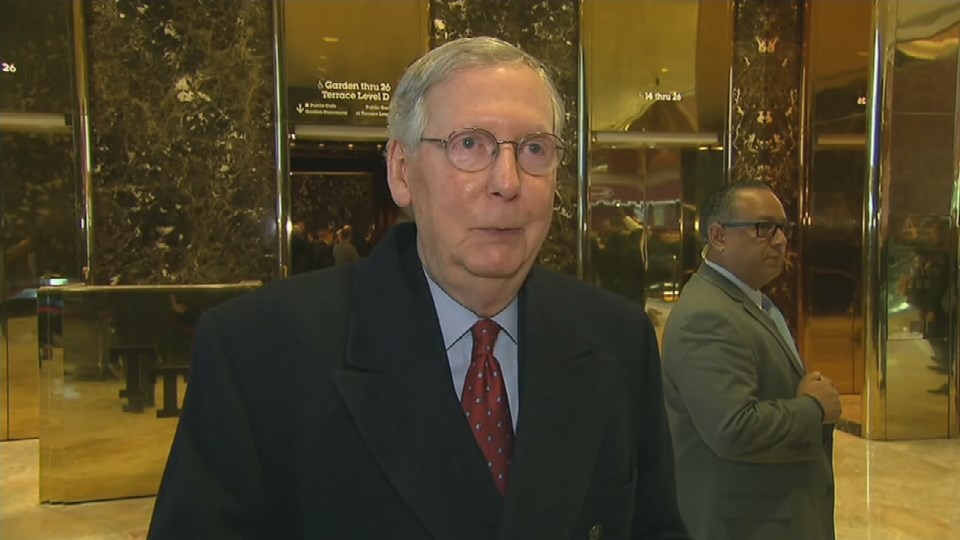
column 473, row 149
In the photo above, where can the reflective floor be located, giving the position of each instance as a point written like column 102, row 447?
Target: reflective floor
column 885, row 491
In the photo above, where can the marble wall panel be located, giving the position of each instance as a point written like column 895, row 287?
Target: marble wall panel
column 765, row 116
column 181, row 101
column 547, row 29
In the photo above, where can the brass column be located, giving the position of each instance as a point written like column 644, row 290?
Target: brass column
column 910, row 233
column 82, row 135
column 281, row 147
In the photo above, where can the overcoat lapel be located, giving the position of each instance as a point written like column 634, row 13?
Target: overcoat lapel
column 396, row 384
column 560, row 424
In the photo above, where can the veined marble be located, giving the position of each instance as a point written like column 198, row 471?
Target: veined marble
column 765, row 123
column 182, row 122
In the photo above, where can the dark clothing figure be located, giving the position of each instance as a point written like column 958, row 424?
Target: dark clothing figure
column 925, row 288
column 300, row 254
column 344, row 253
column 322, row 256
column 356, row 432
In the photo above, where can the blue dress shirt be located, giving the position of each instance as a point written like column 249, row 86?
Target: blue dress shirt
column 455, row 323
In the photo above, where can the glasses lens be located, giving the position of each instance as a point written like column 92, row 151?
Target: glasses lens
column 768, row 229
column 471, row 149
column 538, row 154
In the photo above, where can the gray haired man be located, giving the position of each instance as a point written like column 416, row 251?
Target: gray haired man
column 445, row 386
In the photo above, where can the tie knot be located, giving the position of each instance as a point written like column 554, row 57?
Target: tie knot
column 766, row 303
column 484, row 335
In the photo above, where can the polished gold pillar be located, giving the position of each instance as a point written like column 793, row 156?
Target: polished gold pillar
column 910, row 275
column 113, row 378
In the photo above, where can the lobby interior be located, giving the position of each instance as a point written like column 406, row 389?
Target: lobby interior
column 159, row 159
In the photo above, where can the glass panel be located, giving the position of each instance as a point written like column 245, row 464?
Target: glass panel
column 112, row 383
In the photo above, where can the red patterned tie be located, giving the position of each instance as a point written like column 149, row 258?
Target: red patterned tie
column 484, row 401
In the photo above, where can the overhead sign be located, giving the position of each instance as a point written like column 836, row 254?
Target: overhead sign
column 342, row 65
column 341, row 102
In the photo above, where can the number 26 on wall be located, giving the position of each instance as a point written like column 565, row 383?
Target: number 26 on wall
column 7, row 68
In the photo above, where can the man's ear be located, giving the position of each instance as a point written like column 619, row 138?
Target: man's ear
column 716, row 236
column 397, row 179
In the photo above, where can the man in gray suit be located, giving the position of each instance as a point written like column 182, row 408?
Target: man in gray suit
column 752, row 429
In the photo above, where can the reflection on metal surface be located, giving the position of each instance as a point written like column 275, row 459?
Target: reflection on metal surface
column 676, row 69
column 29, row 122
column 583, row 162
column 837, row 140
column 113, row 367
column 339, row 133
column 874, row 274
column 831, row 266
column 636, row 139
column 22, row 375
column 39, row 238
column 651, row 146
column 281, row 150
column 4, row 413
column 919, row 363
column 84, row 155
column 644, row 208
column 912, row 223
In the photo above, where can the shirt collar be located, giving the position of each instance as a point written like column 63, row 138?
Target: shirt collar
column 753, row 294
column 456, row 320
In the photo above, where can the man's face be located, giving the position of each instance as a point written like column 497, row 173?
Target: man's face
column 754, row 259
column 492, row 222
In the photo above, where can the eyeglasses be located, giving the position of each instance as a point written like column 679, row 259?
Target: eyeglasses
column 473, row 149
column 765, row 229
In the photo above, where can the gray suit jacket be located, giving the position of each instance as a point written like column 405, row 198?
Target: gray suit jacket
column 752, row 459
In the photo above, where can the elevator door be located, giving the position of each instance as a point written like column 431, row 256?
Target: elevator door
column 39, row 224
column 832, row 208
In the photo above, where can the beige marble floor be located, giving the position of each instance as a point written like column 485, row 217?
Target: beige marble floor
column 885, row 491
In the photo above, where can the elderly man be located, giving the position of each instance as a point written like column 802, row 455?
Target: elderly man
column 752, row 430
column 443, row 387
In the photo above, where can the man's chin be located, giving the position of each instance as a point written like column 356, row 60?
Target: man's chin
column 496, row 268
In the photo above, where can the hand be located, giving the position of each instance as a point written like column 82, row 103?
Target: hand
column 821, row 389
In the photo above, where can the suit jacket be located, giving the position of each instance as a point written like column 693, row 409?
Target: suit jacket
column 321, row 406
column 753, row 459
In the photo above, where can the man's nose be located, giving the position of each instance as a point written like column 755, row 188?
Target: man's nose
column 505, row 178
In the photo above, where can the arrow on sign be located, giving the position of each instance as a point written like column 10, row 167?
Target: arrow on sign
column 300, row 108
